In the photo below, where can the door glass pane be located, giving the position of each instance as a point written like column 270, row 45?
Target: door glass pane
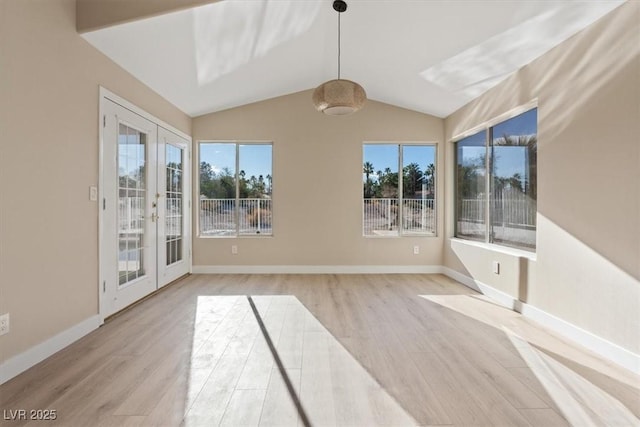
column 255, row 188
column 132, row 154
column 380, row 189
column 418, row 189
column 174, row 206
column 514, row 180
column 471, row 154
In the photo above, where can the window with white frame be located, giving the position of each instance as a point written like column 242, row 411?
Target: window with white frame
column 496, row 183
column 235, row 185
column 398, row 184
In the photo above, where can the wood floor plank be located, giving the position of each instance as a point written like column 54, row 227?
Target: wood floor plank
column 122, row 421
column 494, row 404
column 244, row 408
column 528, row 378
column 279, row 407
column 358, row 398
column 544, row 417
column 456, row 399
column 174, row 404
column 211, row 403
column 316, row 388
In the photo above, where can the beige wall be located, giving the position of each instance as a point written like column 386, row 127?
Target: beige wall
column 49, row 149
column 587, row 270
column 317, row 183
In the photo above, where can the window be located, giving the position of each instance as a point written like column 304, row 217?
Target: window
column 235, row 189
column 396, row 204
column 496, row 183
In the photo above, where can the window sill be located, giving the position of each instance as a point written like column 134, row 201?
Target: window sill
column 244, row 236
column 497, row 248
column 395, row 236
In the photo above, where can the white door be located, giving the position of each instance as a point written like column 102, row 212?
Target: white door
column 173, row 207
column 145, row 217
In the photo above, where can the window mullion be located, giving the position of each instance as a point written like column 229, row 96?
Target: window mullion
column 487, row 184
column 400, row 193
column 237, row 210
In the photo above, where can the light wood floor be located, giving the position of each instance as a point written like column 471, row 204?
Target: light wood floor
column 356, row 350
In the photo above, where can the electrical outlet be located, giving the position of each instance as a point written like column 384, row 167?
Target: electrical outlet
column 416, row 250
column 4, row 324
column 93, row 193
column 234, row 249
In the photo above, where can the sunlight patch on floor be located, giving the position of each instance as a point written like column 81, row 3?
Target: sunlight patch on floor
column 244, row 385
column 483, row 309
column 581, row 402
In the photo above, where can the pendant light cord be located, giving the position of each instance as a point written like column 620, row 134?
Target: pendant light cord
column 338, row 45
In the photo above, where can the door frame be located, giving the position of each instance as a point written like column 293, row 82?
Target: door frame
column 107, row 95
column 168, row 273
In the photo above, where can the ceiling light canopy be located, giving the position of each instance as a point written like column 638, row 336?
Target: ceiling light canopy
column 339, row 97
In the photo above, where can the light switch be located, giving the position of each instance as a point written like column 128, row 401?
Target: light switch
column 93, row 193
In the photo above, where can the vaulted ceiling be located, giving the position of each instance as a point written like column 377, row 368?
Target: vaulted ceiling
column 425, row 55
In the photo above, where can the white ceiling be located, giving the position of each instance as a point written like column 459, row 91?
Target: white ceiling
column 424, row 55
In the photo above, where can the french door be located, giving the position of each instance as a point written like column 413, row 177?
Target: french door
column 145, row 240
column 174, row 208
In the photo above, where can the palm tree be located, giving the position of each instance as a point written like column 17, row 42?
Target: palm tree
column 429, row 175
column 242, row 185
column 412, row 177
column 515, row 181
column 390, row 185
column 269, row 184
column 367, row 169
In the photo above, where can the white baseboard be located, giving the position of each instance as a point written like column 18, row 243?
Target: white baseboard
column 23, row 361
column 459, row 277
column 604, row 348
column 598, row 345
column 317, row 269
column 500, row 297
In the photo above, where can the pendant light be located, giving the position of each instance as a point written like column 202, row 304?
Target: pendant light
column 339, row 97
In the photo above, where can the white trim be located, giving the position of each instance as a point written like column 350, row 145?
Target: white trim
column 106, row 93
column 36, row 354
column 598, row 345
column 516, row 111
column 465, row 280
column 101, row 125
column 498, row 296
column 317, row 269
column 496, row 248
column 399, row 142
column 602, row 347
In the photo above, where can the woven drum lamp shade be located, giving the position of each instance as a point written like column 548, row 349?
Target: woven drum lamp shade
column 339, row 97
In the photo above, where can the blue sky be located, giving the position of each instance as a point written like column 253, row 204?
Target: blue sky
column 509, row 160
column 386, row 156
column 255, row 159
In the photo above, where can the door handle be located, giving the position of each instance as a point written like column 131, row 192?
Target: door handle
column 154, row 217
